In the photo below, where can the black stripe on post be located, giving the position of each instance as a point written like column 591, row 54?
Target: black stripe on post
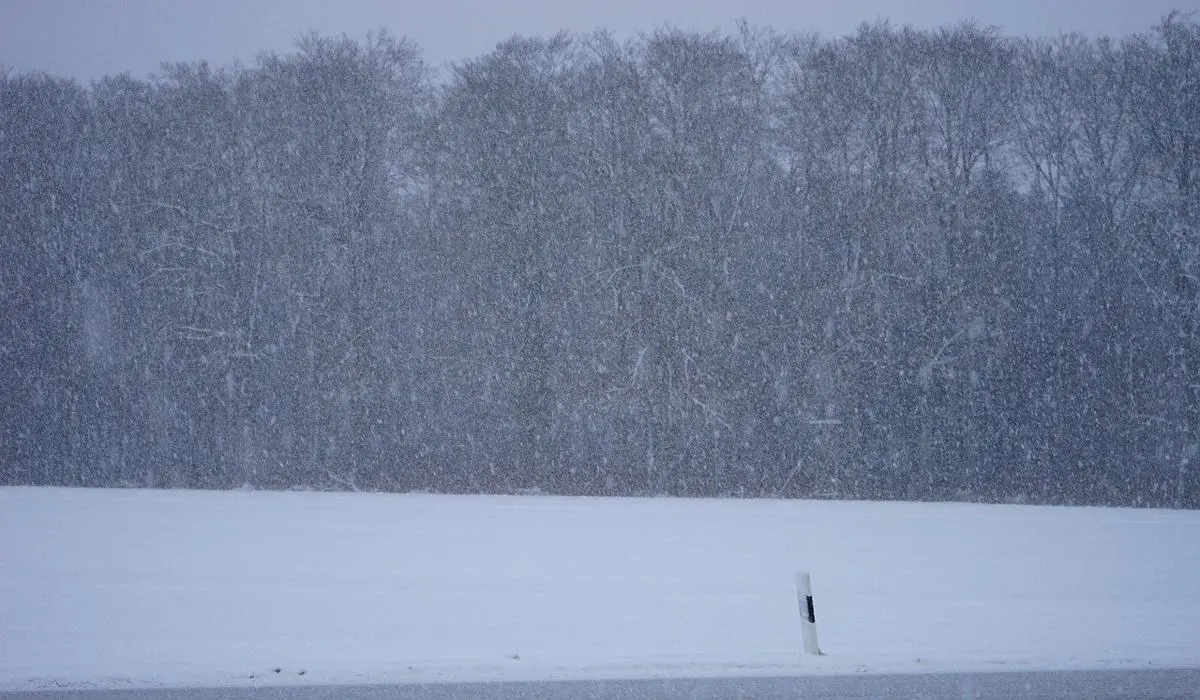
column 812, row 612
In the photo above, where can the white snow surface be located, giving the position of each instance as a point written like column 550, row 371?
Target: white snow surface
column 130, row 588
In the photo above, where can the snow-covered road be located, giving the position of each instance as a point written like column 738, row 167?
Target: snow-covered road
column 1160, row 684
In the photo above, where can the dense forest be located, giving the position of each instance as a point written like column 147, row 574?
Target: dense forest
column 900, row 264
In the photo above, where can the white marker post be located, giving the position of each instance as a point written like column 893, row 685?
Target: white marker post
column 808, row 614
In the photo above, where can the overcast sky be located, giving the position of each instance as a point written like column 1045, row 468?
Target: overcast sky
column 88, row 39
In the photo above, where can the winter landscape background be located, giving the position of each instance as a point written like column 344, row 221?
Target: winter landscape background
column 901, row 264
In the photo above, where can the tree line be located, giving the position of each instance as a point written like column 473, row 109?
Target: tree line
column 902, row 263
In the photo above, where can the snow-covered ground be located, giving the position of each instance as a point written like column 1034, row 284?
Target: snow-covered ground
column 143, row 588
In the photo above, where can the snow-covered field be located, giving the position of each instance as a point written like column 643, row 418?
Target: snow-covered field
column 143, row 588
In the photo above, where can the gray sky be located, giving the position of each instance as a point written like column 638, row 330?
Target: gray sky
column 87, row 39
